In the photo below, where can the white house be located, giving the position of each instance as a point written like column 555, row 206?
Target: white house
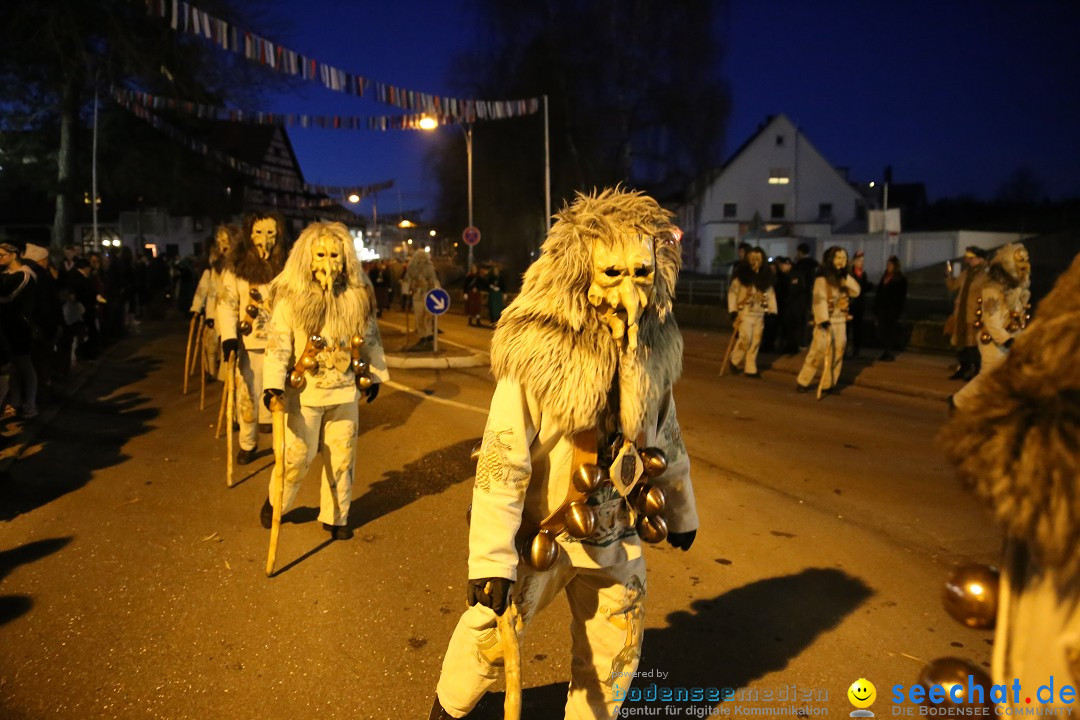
column 776, row 191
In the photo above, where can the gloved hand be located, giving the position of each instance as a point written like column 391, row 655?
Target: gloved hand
column 825, row 325
column 497, row 597
column 683, row 541
column 270, row 394
column 210, row 322
column 229, row 347
column 1008, row 344
column 372, row 392
column 734, row 314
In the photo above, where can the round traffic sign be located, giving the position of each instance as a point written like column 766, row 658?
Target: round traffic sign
column 437, row 301
column 471, row 235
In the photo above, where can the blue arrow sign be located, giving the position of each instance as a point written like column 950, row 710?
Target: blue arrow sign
column 437, row 301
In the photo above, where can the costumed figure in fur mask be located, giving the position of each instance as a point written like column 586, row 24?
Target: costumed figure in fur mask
column 749, row 298
column 243, row 317
column 582, row 457
column 1001, row 312
column 422, row 279
column 324, row 350
column 1016, row 445
column 208, row 291
column 833, row 289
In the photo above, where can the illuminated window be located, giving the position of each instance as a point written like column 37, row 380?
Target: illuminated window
column 779, row 176
column 730, row 210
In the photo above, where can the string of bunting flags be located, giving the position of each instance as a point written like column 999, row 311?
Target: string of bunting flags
column 184, row 17
column 326, row 122
column 276, row 181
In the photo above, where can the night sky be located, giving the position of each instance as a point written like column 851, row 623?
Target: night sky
column 955, row 94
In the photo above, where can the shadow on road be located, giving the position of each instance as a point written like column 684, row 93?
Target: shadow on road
column 727, row 641
column 86, row 435
column 395, row 409
column 12, row 606
column 429, row 475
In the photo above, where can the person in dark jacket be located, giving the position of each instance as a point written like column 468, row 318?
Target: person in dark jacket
column 473, row 287
column 18, row 287
column 889, row 305
column 803, row 273
column 858, row 303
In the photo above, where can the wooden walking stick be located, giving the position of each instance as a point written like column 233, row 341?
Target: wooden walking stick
column 221, row 407
column 508, row 622
column 187, row 351
column 198, row 345
column 730, row 347
column 202, row 365
column 230, row 382
column 827, row 370
column 277, row 407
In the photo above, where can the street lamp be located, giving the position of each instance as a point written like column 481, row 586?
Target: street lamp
column 354, row 198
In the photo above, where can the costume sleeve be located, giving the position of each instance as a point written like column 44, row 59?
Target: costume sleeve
column 853, row 287
column 733, row 296
column 955, row 283
column 681, row 511
column 770, row 301
column 228, row 309
column 993, row 310
column 279, row 348
column 374, row 348
column 202, row 292
column 820, row 302
column 502, row 477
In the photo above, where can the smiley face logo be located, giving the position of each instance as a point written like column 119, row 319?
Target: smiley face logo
column 862, row 693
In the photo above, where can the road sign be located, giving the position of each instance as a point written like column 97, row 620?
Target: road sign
column 471, row 235
column 437, row 301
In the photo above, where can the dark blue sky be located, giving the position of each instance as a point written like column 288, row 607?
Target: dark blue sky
column 957, row 94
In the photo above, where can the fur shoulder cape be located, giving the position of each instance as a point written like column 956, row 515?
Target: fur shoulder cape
column 555, row 344
column 1018, row 445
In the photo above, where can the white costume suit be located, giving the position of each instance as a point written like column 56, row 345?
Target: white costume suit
column 232, row 308
column 752, row 304
column 205, row 302
column 327, row 403
column 830, row 304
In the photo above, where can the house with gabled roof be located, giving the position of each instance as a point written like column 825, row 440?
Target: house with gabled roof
column 776, row 191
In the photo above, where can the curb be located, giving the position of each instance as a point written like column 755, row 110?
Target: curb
column 405, row 362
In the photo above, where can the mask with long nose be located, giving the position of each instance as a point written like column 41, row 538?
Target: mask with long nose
column 264, row 236
column 622, row 284
column 327, row 260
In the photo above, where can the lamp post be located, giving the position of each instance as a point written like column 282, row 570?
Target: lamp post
column 467, row 129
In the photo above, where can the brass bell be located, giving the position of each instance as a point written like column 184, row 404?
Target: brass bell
column 971, row 595
column 255, row 294
column 297, row 380
column 474, row 456
column 543, row 551
column 652, row 529
column 587, row 478
column 978, row 324
column 978, row 300
column 318, row 342
column 360, row 366
column 356, row 342
column 952, row 674
column 310, row 363
column 245, row 327
column 364, row 382
column 655, row 461
column 985, row 338
column 252, row 311
column 580, row 520
column 648, row 499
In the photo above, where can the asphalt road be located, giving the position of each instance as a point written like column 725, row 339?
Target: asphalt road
column 132, row 585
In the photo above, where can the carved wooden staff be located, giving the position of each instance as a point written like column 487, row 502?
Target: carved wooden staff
column 730, row 347
column 508, row 622
column 187, row 351
column 202, row 364
column 221, row 407
column 230, row 412
column 277, row 407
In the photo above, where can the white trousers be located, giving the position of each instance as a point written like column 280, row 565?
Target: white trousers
column 250, row 410
column 211, row 350
column 338, row 424
column 836, row 333
column 745, row 352
column 425, row 321
column 608, row 609
column 992, row 355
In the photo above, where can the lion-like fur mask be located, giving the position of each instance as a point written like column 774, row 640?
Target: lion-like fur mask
column 245, row 259
column 552, row 341
column 1018, row 444
column 344, row 309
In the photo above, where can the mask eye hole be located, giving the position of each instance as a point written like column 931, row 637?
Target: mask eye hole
column 643, row 272
column 612, row 272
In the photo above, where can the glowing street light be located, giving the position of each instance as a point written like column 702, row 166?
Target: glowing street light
column 431, row 233
column 428, row 123
column 354, row 198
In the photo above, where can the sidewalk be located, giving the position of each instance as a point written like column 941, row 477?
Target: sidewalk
column 913, row 373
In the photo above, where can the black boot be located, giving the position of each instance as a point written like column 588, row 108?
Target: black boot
column 437, row 712
column 338, row 532
column 245, row 456
column 266, row 514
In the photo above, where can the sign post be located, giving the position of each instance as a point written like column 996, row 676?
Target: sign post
column 470, row 236
column 436, row 302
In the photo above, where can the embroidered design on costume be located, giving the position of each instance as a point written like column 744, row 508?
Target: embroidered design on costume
column 494, row 463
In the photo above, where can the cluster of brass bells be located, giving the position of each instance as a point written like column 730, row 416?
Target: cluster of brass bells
column 971, row 595
column 360, row 366
column 307, row 362
column 978, row 314
column 252, row 311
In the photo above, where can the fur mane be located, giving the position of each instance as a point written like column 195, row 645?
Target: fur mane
column 828, row 271
column 1018, row 445
column 552, row 341
column 245, row 260
column 344, row 309
column 762, row 279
